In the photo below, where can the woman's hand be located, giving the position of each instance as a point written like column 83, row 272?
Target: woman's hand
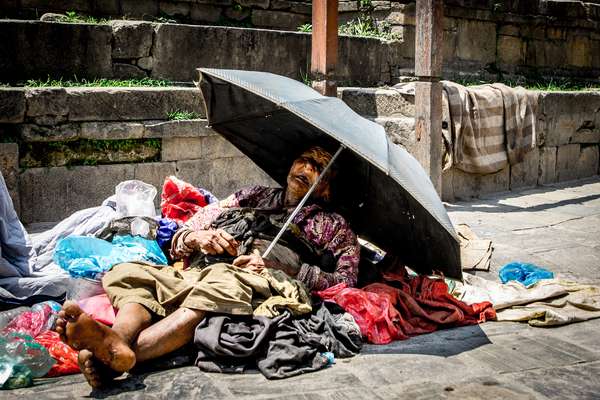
column 253, row 262
column 212, row 242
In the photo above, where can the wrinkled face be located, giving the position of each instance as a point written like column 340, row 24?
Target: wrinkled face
column 303, row 174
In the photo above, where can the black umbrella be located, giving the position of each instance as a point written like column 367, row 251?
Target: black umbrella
column 379, row 187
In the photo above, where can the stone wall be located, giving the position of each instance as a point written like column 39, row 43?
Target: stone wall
column 568, row 147
column 43, row 118
column 482, row 38
column 133, row 50
column 568, row 128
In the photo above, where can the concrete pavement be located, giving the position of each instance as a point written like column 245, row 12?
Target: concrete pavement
column 557, row 227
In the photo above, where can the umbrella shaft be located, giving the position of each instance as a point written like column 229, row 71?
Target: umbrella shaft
column 301, row 204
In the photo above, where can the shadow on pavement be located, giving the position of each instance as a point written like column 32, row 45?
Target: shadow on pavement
column 494, row 206
column 444, row 343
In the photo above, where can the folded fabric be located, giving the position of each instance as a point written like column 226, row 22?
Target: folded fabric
column 580, row 304
column 527, row 274
column 84, row 256
column 404, row 307
column 475, row 253
column 280, row 347
column 476, row 290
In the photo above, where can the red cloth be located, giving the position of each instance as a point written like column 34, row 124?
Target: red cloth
column 180, row 200
column 99, row 308
column 411, row 307
column 65, row 356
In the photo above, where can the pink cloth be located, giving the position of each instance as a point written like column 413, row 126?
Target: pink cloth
column 99, row 308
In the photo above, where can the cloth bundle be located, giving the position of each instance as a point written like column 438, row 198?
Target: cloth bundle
column 405, row 306
column 280, row 347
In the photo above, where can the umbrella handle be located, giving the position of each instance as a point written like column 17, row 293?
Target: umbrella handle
column 301, row 204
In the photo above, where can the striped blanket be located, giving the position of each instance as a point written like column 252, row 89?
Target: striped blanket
column 489, row 126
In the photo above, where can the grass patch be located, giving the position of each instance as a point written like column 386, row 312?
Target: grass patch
column 179, row 115
column 89, row 152
column 75, row 18
column 75, row 82
column 363, row 26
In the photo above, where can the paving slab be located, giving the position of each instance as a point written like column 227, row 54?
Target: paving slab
column 494, row 360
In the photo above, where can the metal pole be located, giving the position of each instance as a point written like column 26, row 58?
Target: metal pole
column 301, row 204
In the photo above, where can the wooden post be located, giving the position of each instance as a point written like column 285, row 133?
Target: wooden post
column 428, row 89
column 324, row 46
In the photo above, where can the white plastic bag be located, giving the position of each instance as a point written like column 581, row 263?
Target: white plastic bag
column 135, row 198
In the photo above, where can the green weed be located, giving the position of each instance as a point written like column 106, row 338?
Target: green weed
column 74, row 17
column 307, row 28
column 75, row 82
column 179, row 115
column 363, row 26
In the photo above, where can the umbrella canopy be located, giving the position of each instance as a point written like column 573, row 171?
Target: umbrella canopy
column 379, row 187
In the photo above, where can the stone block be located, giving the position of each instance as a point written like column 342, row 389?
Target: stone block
column 567, row 159
column 564, row 9
column 131, row 39
column 47, row 103
column 302, row 8
column 381, row 5
column 180, row 49
column 525, row 173
column 139, row 8
column 378, row 102
column 592, row 10
column 547, row 172
column 230, row 174
column 178, row 129
column 9, row 168
column 280, row 4
column 177, row 10
column 346, row 6
column 555, row 54
column 205, row 13
column 82, row 6
column 128, row 71
column 145, row 63
column 466, row 185
column 400, row 18
column 106, row 7
column 237, row 14
column 279, row 19
column 143, row 103
column 579, row 50
column 12, row 105
column 477, row 41
column 216, row 2
column 215, row 146
column 509, row 30
column 67, row 189
column 57, row 133
column 556, row 33
column 111, row 130
column 401, row 131
column 447, row 186
column 197, row 172
column 83, row 50
column 587, row 165
column 564, row 114
column 511, row 50
column 264, row 4
column 154, row 174
column 181, row 148
column 586, row 135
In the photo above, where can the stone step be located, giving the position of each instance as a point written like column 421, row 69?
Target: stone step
column 49, row 106
column 377, row 102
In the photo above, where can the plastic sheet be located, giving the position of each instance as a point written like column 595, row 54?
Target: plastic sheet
column 21, row 360
column 180, row 200
column 40, row 318
column 65, row 356
column 87, row 257
column 99, row 308
column 527, row 274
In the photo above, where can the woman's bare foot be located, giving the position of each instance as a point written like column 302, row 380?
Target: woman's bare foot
column 81, row 332
column 96, row 373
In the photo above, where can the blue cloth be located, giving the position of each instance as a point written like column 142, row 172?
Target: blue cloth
column 166, row 229
column 85, row 256
column 527, row 274
column 208, row 196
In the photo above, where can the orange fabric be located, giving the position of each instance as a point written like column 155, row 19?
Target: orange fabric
column 405, row 307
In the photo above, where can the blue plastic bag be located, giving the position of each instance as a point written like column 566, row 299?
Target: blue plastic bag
column 527, row 274
column 84, row 256
column 166, row 229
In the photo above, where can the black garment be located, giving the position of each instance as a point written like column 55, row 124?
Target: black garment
column 248, row 224
column 122, row 226
column 279, row 347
